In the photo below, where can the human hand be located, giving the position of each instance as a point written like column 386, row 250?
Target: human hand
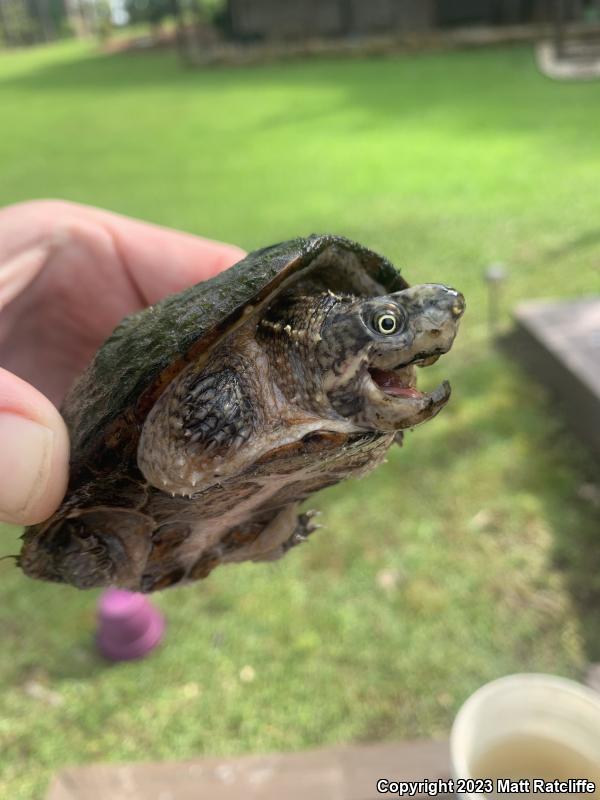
column 68, row 274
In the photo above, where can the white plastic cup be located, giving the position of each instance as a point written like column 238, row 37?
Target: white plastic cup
column 525, row 705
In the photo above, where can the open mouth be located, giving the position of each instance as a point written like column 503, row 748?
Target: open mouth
column 402, row 381
column 398, row 383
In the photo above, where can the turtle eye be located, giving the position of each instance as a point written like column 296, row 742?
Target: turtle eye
column 386, row 323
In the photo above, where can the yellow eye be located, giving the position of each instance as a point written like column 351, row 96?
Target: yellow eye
column 386, row 323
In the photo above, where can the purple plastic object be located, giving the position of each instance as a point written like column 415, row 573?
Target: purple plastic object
column 129, row 626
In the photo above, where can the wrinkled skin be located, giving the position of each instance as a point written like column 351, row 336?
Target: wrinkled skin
column 313, row 389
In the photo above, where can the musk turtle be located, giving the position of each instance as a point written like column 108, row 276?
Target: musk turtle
column 204, row 421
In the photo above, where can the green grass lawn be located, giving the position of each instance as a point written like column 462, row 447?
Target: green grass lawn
column 470, row 554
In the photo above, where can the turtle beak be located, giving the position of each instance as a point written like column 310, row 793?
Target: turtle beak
column 392, row 406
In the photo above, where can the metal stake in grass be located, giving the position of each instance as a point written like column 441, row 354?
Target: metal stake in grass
column 494, row 275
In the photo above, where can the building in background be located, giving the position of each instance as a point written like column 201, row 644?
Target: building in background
column 297, row 19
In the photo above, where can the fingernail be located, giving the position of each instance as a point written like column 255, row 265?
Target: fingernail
column 25, row 462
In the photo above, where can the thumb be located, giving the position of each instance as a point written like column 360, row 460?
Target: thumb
column 34, row 453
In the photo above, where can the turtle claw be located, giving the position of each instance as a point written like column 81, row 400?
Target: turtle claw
column 304, row 527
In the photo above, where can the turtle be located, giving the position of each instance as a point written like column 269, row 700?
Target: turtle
column 204, row 421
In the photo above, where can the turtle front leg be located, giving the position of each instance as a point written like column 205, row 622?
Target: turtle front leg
column 202, row 428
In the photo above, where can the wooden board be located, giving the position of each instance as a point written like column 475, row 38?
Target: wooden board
column 559, row 344
column 333, row 773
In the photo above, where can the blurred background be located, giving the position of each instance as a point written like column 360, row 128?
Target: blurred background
column 427, row 132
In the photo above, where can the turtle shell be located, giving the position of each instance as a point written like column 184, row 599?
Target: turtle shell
column 108, row 404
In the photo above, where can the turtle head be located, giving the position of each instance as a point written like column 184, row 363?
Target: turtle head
column 370, row 347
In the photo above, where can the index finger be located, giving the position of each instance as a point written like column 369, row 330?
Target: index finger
column 158, row 260
column 162, row 261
